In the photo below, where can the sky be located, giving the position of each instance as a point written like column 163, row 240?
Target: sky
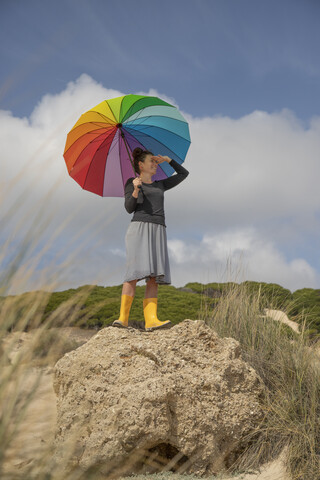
column 245, row 74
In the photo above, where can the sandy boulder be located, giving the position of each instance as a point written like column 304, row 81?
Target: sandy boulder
column 182, row 393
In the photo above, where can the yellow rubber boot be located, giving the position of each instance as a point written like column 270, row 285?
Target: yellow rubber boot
column 126, row 302
column 150, row 315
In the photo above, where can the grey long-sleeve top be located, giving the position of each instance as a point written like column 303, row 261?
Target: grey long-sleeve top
column 149, row 206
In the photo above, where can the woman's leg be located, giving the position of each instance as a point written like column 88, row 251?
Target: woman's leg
column 129, row 288
column 128, row 291
column 150, row 303
column 151, row 288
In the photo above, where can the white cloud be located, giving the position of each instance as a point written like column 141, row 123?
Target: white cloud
column 248, row 255
column 253, row 186
column 259, row 165
column 118, row 251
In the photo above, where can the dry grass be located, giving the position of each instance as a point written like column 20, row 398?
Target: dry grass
column 290, row 371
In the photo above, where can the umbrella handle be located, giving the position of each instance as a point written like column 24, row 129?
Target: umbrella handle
column 125, row 142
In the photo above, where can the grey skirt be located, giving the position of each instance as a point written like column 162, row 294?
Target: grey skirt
column 147, row 253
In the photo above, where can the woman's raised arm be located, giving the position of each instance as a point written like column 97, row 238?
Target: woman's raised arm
column 174, row 180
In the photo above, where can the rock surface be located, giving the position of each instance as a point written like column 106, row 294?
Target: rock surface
column 183, row 392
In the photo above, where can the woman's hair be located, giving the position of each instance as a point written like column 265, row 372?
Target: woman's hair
column 139, row 155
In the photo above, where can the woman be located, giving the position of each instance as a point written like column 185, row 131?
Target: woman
column 146, row 238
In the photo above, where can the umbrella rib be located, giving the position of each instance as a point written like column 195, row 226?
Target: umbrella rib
column 121, row 108
column 163, row 145
column 86, row 123
column 103, row 116
column 105, row 167
column 166, row 130
column 92, row 155
column 91, row 163
column 87, row 133
column 142, row 109
column 138, row 100
column 152, row 116
column 109, row 151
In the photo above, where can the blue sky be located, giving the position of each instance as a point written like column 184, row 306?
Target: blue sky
column 214, row 57
column 247, row 76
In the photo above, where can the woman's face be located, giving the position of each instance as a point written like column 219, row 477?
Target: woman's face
column 149, row 165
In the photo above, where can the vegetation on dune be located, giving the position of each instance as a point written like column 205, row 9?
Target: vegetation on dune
column 101, row 306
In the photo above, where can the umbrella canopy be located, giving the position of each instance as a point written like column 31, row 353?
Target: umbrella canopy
column 98, row 150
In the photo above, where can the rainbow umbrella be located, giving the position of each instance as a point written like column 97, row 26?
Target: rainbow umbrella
column 98, row 150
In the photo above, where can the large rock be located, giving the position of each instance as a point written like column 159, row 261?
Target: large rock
column 182, row 392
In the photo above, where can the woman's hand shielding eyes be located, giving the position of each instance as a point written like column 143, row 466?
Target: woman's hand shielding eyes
column 161, row 158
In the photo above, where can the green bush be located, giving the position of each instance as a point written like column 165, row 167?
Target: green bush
column 101, row 306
